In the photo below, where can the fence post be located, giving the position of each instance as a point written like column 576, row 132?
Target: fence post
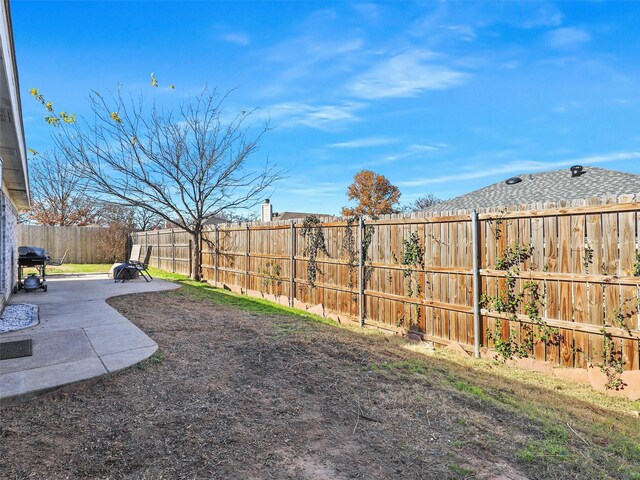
column 476, row 282
column 292, row 265
column 246, row 262
column 360, row 273
column 146, row 242
column 190, row 256
column 173, row 251
column 201, row 253
column 215, row 253
column 158, row 251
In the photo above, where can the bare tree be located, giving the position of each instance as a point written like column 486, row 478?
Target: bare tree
column 240, row 217
column 183, row 165
column 422, row 203
column 145, row 220
column 59, row 196
column 138, row 219
column 118, row 222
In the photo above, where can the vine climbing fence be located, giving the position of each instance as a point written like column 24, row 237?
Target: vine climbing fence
column 556, row 282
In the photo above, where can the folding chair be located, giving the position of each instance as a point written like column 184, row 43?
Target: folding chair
column 127, row 270
column 56, row 262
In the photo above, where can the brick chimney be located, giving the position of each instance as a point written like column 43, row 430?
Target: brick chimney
column 267, row 211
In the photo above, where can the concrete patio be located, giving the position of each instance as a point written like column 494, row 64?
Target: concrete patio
column 79, row 336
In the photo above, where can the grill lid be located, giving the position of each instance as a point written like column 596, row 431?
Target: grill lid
column 32, row 252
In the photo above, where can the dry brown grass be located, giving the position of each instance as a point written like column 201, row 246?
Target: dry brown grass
column 245, row 390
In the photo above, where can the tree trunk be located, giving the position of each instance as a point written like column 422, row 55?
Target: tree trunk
column 195, row 260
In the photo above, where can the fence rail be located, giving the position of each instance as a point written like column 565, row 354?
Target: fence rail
column 584, row 260
column 82, row 242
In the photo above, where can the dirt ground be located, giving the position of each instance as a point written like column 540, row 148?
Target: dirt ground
column 238, row 394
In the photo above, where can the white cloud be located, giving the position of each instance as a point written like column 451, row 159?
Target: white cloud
column 418, row 148
column 239, row 38
column 534, row 15
column 411, row 151
column 311, row 50
column 622, row 101
column 405, row 75
column 569, row 106
column 468, row 20
column 466, row 32
column 520, row 166
column 314, row 190
column 567, row 38
column 364, row 142
column 321, row 117
column 307, row 62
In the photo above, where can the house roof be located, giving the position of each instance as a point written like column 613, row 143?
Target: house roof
column 546, row 187
column 214, row 220
column 13, row 159
column 296, row 215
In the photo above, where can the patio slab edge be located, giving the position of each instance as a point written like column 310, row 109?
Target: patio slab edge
column 114, row 346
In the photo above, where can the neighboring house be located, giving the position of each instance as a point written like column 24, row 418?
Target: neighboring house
column 268, row 215
column 215, row 220
column 298, row 215
column 576, row 183
column 211, row 220
column 14, row 177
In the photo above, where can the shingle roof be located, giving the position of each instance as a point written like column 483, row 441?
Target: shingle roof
column 546, row 187
column 297, row 215
column 215, row 219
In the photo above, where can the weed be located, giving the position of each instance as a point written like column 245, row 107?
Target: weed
column 471, row 389
column 509, row 302
column 612, row 364
column 513, row 255
column 460, row 472
column 543, row 451
column 409, row 366
column 350, row 247
column 625, row 449
column 588, row 257
column 412, row 259
column 272, row 275
column 156, row 359
column 314, row 237
column 287, row 329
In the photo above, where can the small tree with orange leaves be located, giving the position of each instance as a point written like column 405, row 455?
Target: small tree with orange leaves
column 374, row 193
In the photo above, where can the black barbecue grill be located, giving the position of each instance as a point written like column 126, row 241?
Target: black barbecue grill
column 32, row 257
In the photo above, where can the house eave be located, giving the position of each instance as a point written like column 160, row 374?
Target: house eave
column 15, row 174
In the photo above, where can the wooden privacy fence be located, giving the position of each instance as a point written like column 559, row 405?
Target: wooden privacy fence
column 82, row 242
column 577, row 271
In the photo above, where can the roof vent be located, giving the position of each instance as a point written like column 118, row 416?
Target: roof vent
column 577, row 170
column 513, row 180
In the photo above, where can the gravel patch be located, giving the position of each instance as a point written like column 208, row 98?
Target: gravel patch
column 19, row 316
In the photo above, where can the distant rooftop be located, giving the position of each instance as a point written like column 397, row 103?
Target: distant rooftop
column 297, row 215
column 546, row 187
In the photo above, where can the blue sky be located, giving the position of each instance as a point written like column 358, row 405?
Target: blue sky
column 441, row 97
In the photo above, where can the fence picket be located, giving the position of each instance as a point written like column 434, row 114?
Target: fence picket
column 583, row 260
